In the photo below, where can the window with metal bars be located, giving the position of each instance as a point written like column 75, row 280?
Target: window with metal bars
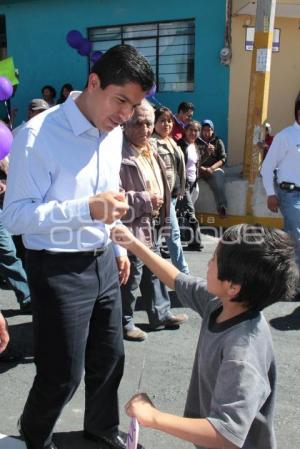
column 168, row 46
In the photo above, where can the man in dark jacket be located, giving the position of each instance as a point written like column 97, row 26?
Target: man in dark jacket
column 148, row 195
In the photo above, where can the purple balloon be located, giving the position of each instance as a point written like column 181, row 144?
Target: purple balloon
column 152, row 91
column 6, row 89
column 6, row 139
column 74, row 38
column 95, row 56
column 85, row 48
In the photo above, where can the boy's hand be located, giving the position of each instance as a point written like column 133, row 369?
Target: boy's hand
column 141, row 407
column 122, row 236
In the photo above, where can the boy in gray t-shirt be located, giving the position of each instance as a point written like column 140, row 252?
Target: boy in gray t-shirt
column 230, row 400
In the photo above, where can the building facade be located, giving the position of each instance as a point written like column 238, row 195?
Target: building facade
column 182, row 43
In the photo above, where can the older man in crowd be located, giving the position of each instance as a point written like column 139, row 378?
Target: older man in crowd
column 144, row 179
column 35, row 107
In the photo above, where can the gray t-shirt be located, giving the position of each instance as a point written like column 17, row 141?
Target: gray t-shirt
column 233, row 378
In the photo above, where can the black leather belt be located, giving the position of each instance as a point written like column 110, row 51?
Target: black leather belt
column 289, row 186
column 94, row 253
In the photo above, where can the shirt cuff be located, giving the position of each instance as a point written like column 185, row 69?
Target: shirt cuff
column 119, row 251
column 80, row 208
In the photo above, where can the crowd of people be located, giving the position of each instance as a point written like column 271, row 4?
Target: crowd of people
column 94, row 186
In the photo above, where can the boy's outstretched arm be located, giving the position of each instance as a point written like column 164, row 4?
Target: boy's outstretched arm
column 165, row 271
column 195, row 430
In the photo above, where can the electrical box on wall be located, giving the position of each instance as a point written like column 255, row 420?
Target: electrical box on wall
column 225, row 56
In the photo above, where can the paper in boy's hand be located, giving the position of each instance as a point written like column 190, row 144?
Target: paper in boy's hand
column 133, row 434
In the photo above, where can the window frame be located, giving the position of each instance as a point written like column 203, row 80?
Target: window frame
column 190, row 74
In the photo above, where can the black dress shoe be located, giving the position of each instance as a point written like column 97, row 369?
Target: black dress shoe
column 24, row 437
column 194, row 247
column 113, row 441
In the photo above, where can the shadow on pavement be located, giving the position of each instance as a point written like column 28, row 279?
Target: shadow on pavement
column 20, row 347
column 75, row 440
column 289, row 322
column 9, row 313
column 64, row 440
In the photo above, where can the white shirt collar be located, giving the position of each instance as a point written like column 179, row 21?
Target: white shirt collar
column 78, row 122
column 296, row 125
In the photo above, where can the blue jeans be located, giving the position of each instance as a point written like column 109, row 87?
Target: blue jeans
column 153, row 291
column 174, row 243
column 290, row 209
column 217, row 184
column 11, row 267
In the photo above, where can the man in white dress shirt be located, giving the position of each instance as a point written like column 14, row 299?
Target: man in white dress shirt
column 63, row 196
column 284, row 195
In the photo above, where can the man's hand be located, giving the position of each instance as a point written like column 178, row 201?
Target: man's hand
column 108, row 206
column 273, row 203
column 141, row 407
column 156, row 201
column 124, row 269
column 209, row 170
column 204, row 172
column 4, row 337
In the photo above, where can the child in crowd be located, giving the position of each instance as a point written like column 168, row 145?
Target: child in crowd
column 230, row 401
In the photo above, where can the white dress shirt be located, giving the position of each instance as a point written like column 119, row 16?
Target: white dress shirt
column 284, row 154
column 58, row 160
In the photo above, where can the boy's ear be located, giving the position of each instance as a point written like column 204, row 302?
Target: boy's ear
column 233, row 289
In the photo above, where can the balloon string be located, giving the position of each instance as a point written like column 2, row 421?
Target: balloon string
column 8, row 115
column 141, row 373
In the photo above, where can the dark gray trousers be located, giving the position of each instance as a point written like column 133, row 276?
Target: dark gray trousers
column 77, row 325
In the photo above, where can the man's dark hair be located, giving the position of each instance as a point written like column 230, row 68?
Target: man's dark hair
column 262, row 261
column 124, row 64
column 185, row 107
column 297, row 108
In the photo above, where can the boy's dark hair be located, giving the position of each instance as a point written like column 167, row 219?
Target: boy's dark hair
column 262, row 261
column 163, row 110
column 124, row 64
column 51, row 88
column 185, row 107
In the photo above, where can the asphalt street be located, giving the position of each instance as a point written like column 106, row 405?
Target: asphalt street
column 168, row 364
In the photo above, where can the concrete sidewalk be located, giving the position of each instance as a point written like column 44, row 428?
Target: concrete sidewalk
column 168, row 363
